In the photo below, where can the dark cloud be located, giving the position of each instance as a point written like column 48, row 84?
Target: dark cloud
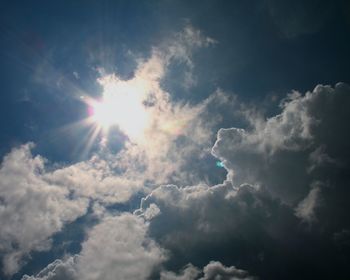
column 295, row 18
column 284, row 203
column 301, row 152
column 245, row 227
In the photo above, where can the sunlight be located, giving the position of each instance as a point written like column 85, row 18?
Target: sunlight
column 121, row 106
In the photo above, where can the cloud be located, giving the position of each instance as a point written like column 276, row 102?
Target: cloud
column 282, row 208
column 119, row 246
column 44, row 201
column 116, row 247
column 282, row 171
column 189, row 272
column 176, row 131
column 31, row 209
column 213, row 270
column 151, row 212
column 306, row 207
column 296, row 18
column 57, row 270
column 289, row 152
column 96, row 180
column 199, row 224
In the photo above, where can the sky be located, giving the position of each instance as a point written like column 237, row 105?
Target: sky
column 174, row 140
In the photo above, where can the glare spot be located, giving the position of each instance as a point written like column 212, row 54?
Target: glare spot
column 121, row 106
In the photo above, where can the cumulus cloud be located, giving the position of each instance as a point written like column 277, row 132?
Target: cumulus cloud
column 118, row 247
column 95, row 179
column 213, row 270
column 35, row 203
column 151, row 212
column 283, row 170
column 31, row 209
column 198, row 224
column 189, row 272
column 289, row 152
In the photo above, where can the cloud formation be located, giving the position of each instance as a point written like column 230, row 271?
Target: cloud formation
column 284, row 199
column 281, row 211
column 213, row 270
column 262, row 218
column 45, row 200
column 291, row 152
column 116, row 247
column 176, row 131
column 31, row 209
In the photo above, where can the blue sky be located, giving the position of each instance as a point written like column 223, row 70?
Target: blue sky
column 182, row 139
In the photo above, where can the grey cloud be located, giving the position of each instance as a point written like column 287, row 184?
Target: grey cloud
column 200, row 223
column 282, row 171
column 287, row 153
column 189, row 272
column 295, row 18
column 306, row 208
column 213, row 270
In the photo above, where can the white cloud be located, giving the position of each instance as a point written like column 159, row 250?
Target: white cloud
column 31, row 209
column 151, row 212
column 119, row 247
column 95, row 179
column 57, row 270
column 116, row 248
column 36, row 203
column 176, row 132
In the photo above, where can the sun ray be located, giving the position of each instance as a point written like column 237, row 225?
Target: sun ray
column 121, row 105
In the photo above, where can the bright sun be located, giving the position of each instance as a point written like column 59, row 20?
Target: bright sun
column 122, row 106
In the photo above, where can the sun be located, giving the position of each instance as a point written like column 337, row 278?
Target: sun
column 121, row 105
